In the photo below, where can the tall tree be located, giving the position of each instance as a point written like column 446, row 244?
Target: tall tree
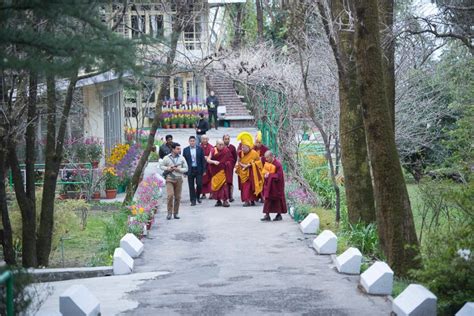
column 394, row 216
column 73, row 38
column 184, row 13
column 357, row 177
column 259, row 8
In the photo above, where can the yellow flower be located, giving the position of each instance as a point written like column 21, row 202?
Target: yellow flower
column 134, row 212
column 141, row 210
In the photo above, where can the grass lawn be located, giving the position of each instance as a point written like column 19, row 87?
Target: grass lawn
column 84, row 247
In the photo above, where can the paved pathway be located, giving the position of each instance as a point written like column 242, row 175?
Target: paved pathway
column 224, row 261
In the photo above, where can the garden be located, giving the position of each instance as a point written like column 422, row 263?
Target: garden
column 181, row 118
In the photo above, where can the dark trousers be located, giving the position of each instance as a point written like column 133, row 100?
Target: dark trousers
column 195, row 184
column 212, row 114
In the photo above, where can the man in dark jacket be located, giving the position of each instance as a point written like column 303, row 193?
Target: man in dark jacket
column 212, row 103
column 165, row 149
column 201, row 129
column 194, row 156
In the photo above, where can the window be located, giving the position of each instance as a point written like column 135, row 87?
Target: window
column 192, row 34
column 138, row 25
column 156, row 25
column 131, row 112
column 178, row 88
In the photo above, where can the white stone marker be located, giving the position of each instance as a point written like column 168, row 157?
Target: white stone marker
column 349, row 261
column 466, row 310
column 123, row 263
column 378, row 279
column 416, row 300
column 132, row 245
column 325, row 243
column 310, row 225
column 78, row 300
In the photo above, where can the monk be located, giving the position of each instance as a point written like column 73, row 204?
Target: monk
column 221, row 169
column 273, row 188
column 233, row 152
column 249, row 170
column 206, row 178
column 261, row 149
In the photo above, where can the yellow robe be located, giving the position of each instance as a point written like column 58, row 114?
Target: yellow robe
column 253, row 158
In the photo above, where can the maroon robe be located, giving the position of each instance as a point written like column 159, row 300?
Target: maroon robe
column 233, row 152
column 225, row 163
column 261, row 151
column 274, row 191
column 206, row 179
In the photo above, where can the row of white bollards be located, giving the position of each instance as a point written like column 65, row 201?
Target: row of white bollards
column 378, row 278
column 79, row 301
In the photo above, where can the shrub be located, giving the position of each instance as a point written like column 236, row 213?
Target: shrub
column 364, row 237
column 447, row 271
column 64, row 218
column 115, row 228
column 316, row 172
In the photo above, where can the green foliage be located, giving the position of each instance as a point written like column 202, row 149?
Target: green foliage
column 115, row 229
column 445, row 272
column 316, row 172
column 65, row 218
column 364, row 237
column 459, row 143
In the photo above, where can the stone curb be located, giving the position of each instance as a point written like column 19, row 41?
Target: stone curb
column 62, row 274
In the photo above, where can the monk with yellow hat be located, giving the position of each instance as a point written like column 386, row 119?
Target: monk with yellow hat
column 249, row 170
column 259, row 147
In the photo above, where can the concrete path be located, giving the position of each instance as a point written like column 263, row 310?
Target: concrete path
column 224, row 261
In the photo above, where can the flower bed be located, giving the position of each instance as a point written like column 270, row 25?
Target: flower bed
column 145, row 205
column 182, row 118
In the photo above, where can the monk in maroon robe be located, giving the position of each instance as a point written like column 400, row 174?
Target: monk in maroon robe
column 233, row 152
column 206, row 178
column 261, row 149
column 273, row 188
column 221, row 170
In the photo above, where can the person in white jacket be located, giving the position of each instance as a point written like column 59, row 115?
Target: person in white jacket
column 174, row 166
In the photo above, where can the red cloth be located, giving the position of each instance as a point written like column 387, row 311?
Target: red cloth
column 206, row 179
column 274, row 191
column 247, row 189
column 233, row 151
column 261, row 151
column 222, row 194
column 225, row 163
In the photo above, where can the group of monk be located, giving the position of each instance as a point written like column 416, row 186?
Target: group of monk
column 210, row 170
column 260, row 174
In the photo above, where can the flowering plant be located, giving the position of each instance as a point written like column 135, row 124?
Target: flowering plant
column 135, row 227
column 93, row 149
column 127, row 164
column 118, row 152
column 111, row 179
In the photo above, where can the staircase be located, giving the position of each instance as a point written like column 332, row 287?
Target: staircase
column 237, row 114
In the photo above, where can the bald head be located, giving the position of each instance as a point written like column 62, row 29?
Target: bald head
column 269, row 156
column 220, row 144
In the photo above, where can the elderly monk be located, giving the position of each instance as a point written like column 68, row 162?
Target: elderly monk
column 249, row 170
column 206, row 178
column 273, row 188
column 233, row 152
column 221, row 169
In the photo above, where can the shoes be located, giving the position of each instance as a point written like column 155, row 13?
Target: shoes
column 226, row 204
column 231, row 200
column 218, row 203
column 277, row 218
column 168, row 217
column 176, row 216
column 252, row 203
column 246, row 204
column 203, row 197
column 266, row 218
column 193, row 203
column 199, row 201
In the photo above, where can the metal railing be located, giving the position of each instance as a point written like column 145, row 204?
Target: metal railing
column 7, row 278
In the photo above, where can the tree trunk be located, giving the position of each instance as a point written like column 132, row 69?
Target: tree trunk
column 357, row 177
column 26, row 198
column 259, row 7
column 239, row 7
column 394, row 217
column 389, row 54
column 135, row 181
column 53, row 154
column 6, row 233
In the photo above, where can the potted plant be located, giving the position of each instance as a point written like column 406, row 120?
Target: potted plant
column 81, row 152
column 94, row 151
column 173, row 122
column 111, row 183
column 135, row 227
